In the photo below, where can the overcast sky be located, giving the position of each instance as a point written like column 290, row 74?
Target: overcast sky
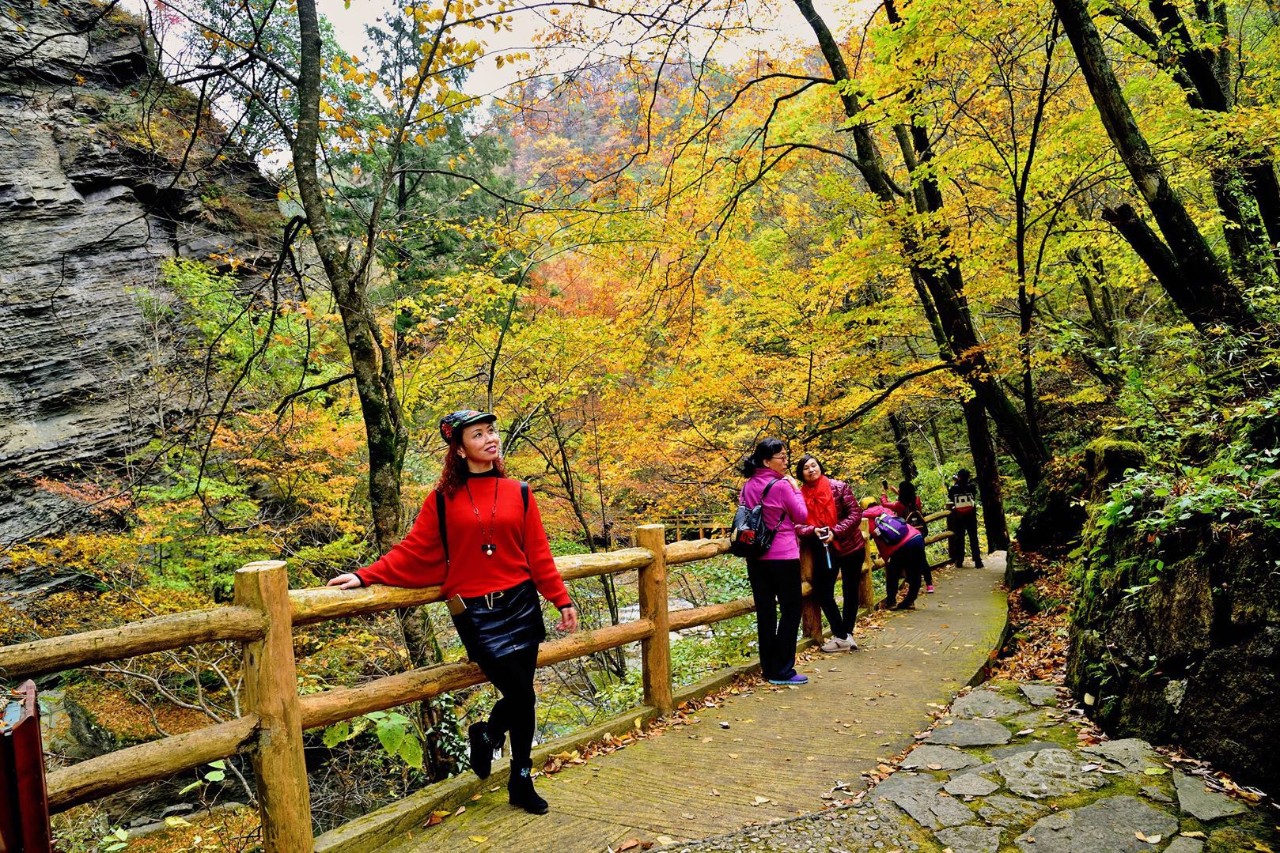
column 786, row 25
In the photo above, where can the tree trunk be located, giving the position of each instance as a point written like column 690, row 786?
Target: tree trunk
column 986, row 472
column 1196, row 279
column 901, row 441
column 372, row 365
column 938, row 275
column 370, row 362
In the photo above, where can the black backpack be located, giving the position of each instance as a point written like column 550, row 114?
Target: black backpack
column 750, row 536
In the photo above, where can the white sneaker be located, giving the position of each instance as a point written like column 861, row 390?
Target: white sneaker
column 835, row 644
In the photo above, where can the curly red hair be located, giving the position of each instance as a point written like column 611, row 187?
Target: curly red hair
column 453, row 470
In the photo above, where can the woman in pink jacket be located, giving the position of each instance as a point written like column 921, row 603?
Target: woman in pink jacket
column 903, row 553
column 775, row 575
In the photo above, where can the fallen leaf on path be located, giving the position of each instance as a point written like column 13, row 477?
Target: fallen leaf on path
column 629, row 844
column 1026, row 732
column 760, row 801
column 478, row 839
column 460, row 810
column 733, row 755
column 1193, row 834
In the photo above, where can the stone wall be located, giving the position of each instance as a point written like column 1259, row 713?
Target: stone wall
column 92, row 199
column 1194, row 657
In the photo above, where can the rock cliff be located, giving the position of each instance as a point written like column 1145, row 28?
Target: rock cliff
column 100, row 181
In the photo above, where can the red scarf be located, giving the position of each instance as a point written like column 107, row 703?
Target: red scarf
column 821, row 502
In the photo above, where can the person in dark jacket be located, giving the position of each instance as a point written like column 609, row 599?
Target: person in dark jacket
column 775, row 575
column 962, row 500
column 493, row 563
column 833, row 532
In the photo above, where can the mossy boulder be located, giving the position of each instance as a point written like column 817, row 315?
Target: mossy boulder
column 1178, row 641
column 1058, row 506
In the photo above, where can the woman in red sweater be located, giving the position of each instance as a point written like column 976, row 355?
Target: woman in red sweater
column 492, row 562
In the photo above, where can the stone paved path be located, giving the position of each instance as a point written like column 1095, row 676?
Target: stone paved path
column 765, row 755
column 1004, row 771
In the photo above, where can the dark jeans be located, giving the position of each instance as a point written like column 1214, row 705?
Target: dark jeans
column 961, row 523
column 513, row 676
column 909, row 562
column 848, row 569
column 775, row 586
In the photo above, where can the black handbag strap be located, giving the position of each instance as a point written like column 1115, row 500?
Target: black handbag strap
column 763, row 494
column 444, row 530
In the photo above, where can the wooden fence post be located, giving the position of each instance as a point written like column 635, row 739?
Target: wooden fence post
column 271, row 688
column 655, row 651
column 866, row 594
column 810, row 609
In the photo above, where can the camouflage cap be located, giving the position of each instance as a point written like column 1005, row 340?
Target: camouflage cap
column 454, row 421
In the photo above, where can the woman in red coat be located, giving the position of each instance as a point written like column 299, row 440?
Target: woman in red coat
column 834, row 534
column 492, row 562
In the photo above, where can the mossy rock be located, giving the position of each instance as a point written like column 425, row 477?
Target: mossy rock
column 1191, row 654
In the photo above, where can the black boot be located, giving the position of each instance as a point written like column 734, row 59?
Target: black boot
column 481, row 750
column 520, row 791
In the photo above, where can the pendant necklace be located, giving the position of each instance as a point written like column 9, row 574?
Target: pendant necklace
column 487, row 545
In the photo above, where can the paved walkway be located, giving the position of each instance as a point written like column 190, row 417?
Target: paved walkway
column 766, row 754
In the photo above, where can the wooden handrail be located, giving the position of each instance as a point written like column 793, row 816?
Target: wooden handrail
column 310, row 606
column 147, row 762
column 344, row 703
column 158, row 634
column 693, row 550
column 692, row 617
column 276, row 716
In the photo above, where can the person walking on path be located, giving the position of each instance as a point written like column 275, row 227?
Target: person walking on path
column 480, row 536
column 907, row 506
column 775, row 575
column 902, row 548
column 833, row 532
column 962, row 500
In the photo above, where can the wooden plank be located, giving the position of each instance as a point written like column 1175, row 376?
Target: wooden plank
column 655, row 650
column 323, row 709
column 271, row 692
column 679, row 620
column 576, row 566
column 148, row 762
column 157, row 634
column 701, row 549
column 309, row 606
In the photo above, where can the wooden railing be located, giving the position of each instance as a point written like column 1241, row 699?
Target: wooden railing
column 261, row 618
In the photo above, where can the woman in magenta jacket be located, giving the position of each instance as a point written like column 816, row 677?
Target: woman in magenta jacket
column 834, row 533
column 904, row 558
column 775, row 575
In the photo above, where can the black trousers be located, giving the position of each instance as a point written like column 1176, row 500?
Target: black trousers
column 775, row 585
column 962, row 523
column 514, row 712
column 848, row 569
column 909, row 562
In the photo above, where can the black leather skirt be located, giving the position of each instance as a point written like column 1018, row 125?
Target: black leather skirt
column 501, row 623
